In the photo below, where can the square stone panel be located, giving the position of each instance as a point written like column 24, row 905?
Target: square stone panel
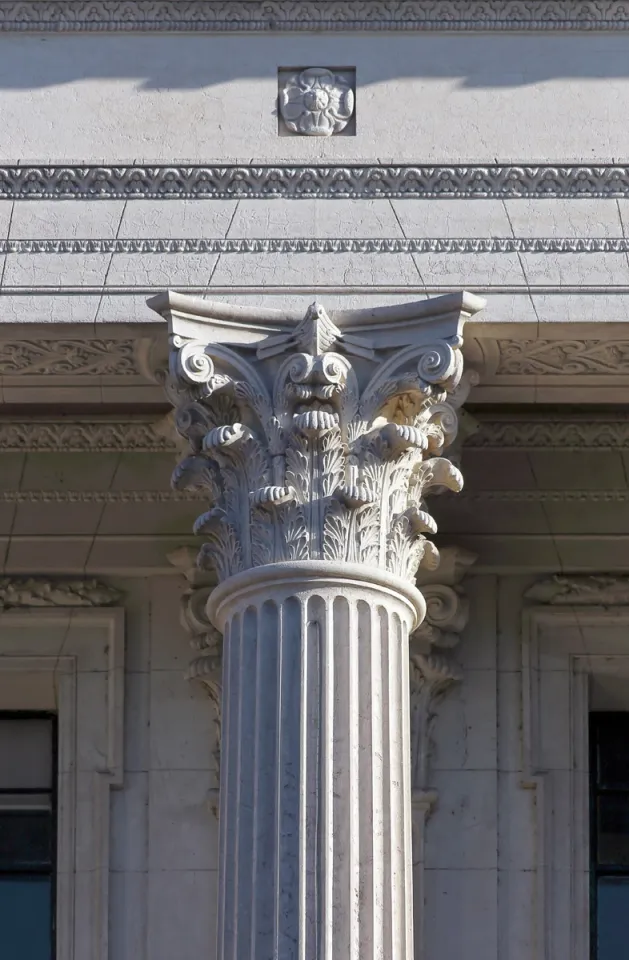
column 316, row 102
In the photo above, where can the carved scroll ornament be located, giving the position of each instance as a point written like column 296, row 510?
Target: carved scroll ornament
column 317, row 444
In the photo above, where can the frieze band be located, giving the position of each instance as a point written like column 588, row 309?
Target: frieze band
column 391, row 245
column 384, row 181
column 269, row 15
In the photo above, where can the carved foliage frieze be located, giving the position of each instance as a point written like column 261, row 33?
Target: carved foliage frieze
column 239, row 15
column 600, row 590
column 76, row 358
column 563, row 357
column 85, row 435
column 231, row 181
column 35, row 592
column 609, row 430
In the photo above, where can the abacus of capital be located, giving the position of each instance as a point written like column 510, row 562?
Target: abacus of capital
column 317, row 438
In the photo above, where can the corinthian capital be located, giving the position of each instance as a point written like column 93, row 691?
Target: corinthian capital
column 317, row 437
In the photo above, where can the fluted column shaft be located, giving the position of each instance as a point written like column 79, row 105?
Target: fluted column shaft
column 315, row 815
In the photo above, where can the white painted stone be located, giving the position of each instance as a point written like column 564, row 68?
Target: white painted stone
column 62, row 269
column 299, row 269
column 129, row 819
column 182, row 731
column 572, row 217
column 470, row 896
column 117, row 97
column 316, row 556
column 64, row 219
column 465, row 729
column 316, row 218
column 454, row 218
column 167, row 269
column 128, row 915
column 462, row 832
column 181, row 919
column 155, row 219
column 182, row 833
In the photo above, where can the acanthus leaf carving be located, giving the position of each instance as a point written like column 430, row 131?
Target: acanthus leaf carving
column 318, row 443
column 206, row 667
column 432, row 667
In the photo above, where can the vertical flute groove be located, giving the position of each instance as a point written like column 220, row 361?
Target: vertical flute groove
column 315, row 848
column 226, row 764
column 353, row 796
column 365, row 812
column 327, row 761
column 406, row 787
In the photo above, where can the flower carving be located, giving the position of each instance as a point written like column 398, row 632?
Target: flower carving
column 316, row 102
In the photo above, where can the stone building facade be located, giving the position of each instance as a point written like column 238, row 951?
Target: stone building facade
column 354, row 277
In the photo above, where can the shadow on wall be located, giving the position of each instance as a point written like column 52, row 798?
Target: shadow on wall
column 194, row 62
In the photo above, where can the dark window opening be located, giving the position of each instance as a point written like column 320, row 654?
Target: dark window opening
column 609, row 834
column 27, row 836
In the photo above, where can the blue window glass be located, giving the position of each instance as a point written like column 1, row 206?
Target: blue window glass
column 26, row 917
column 27, row 836
column 612, row 897
column 609, row 834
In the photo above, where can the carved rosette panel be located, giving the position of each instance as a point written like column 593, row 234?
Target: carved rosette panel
column 316, row 444
column 316, row 102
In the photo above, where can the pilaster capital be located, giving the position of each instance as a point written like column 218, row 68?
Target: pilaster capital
column 317, row 437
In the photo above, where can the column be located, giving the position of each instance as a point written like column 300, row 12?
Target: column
column 317, row 438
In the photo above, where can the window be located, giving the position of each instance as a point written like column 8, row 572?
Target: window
column 27, row 836
column 609, row 778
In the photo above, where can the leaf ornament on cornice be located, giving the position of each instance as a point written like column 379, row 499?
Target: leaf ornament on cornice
column 602, row 590
column 77, row 358
column 299, row 15
column 563, row 357
column 35, row 592
column 316, row 444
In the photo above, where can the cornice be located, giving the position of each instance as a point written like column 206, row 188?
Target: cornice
column 300, row 15
column 382, row 245
column 263, row 181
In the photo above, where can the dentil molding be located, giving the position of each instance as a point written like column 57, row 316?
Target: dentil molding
column 330, row 15
column 369, row 245
column 252, row 181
